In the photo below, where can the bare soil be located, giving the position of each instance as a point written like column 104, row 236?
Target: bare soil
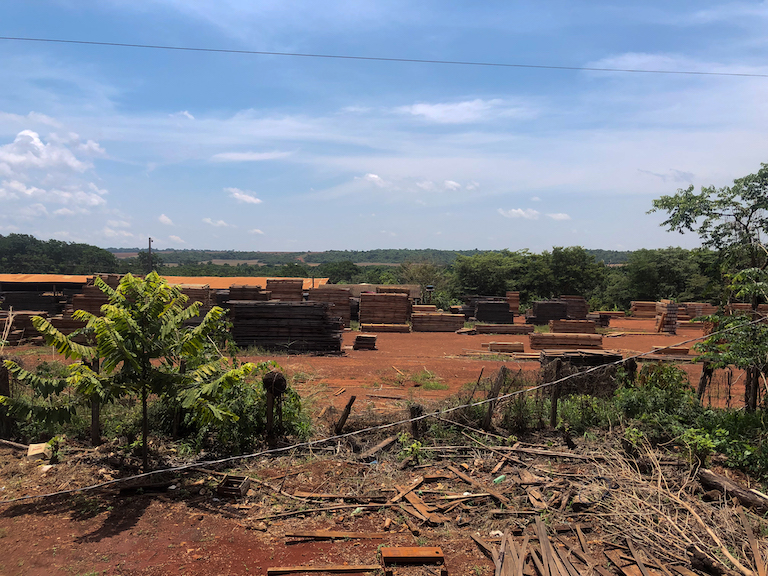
column 187, row 529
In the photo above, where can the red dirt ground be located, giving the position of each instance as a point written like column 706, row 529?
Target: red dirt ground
column 175, row 533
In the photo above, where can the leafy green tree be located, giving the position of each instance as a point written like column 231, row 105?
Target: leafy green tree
column 144, row 347
column 338, row 272
column 732, row 220
column 424, row 274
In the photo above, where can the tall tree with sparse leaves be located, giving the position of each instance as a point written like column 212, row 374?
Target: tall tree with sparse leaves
column 734, row 221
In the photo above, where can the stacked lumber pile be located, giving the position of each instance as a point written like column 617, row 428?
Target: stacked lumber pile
column 286, row 326
column 365, row 342
column 739, row 308
column 666, row 317
column 397, row 328
column 286, row 289
column 34, row 300
column 21, row 329
column 576, row 307
column 424, row 308
column 197, row 293
column 600, row 319
column 65, row 324
column 546, row 310
column 393, row 290
column 91, row 300
column 338, row 297
column 565, row 341
column 509, row 347
column 640, row 309
column 513, row 299
column 385, row 308
column 572, row 326
column 244, row 292
column 464, row 310
column 436, row 322
column 672, row 350
column 111, row 280
column 494, row 311
column 503, row 329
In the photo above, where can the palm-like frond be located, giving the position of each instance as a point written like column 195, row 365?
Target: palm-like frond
column 63, row 344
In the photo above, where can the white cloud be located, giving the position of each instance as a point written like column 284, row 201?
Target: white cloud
column 177, row 239
column 451, row 185
column 118, row 224
column 112, row 233
column 28, row 151
column 64, row 212
column 182, row 114
column 165, row 220
column 374, row 179
column 249, row 156
column 244, row 196
column 426, row 185
column 217, row 223
column 535, row 199
column 473, row 185
column 32, row 117
column 559, row 216
column 255, row 231
column 528, row 213
column 465, row 112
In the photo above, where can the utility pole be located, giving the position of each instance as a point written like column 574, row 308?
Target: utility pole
column 150, row 255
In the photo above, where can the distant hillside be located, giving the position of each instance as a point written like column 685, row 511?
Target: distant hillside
column 391, row 256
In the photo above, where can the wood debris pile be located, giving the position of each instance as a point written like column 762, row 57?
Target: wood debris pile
column 537, row 511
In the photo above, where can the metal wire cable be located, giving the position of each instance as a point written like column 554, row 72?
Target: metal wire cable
column 310, row 443
column 381, row 58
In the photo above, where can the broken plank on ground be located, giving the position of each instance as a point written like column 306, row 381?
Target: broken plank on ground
column 334, row 534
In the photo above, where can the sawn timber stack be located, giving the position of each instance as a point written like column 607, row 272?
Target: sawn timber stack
column 286, row 326
column 436, row 322
column 339, row 297
column 384, row 308
column 565, row 341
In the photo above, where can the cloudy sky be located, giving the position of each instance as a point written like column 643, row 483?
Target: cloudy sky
column 111, row 145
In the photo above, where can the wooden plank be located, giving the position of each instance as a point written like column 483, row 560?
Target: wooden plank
column 336, row 568
column 633, row 551
column 403, row 491
column 500, row 497
column 424, row 510
column 413, row 554
column 334, row 534
column 371, row 452
column 756, row 554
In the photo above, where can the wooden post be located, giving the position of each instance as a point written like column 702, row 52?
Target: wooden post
column 492, row 394
column 555, row 394
column 344, row 415
column 6, row 422
column 271, row 440
column 95, row 410
column 706, row 378
column 417, row 426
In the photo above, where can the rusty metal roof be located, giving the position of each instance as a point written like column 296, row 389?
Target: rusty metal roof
column 215, row 282
column 44, row 278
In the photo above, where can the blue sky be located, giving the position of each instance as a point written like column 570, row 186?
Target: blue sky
column 112, row 145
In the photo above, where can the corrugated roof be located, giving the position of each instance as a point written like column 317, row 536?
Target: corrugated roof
column 222, row 282
column 215, row 282
column 44, row 278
